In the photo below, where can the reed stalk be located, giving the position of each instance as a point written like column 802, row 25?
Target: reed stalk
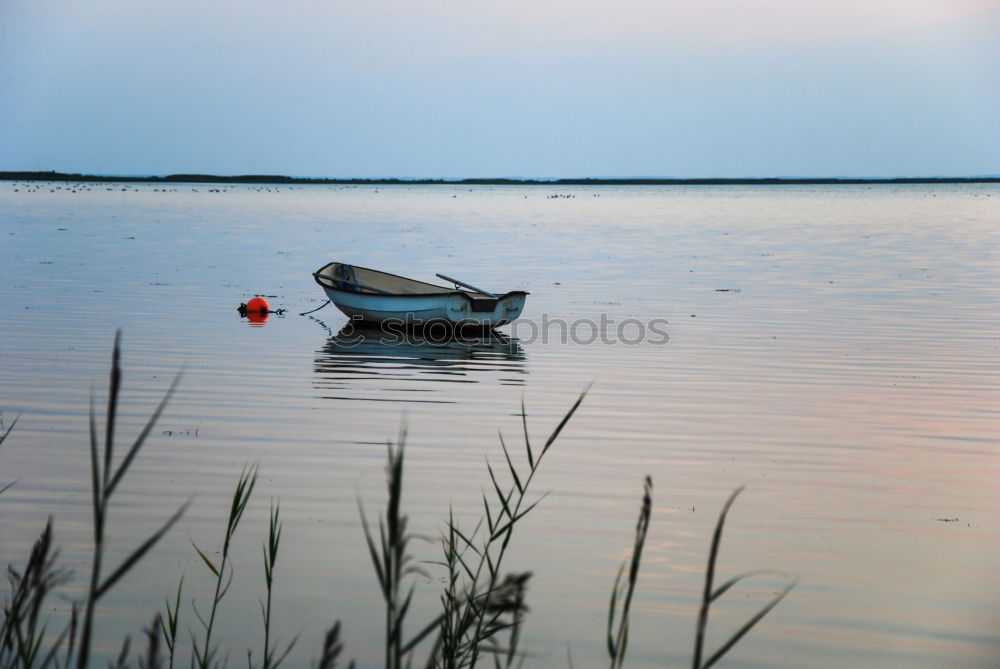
column 618, row 639
column 3, row 437
column 332, row 647
column 270, row 558
column 479, row 601
column 204, row 656
column 105, row 479
column 151, row 660
column 22, row 633
column 169, row 627
column 391, row 557
column 505, row 596
column 710, row 594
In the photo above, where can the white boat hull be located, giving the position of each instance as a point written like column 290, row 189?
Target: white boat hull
column 455, row 307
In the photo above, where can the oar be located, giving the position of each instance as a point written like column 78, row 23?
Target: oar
column 465, row 285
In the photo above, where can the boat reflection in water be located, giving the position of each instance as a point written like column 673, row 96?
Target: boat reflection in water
column 372, row 365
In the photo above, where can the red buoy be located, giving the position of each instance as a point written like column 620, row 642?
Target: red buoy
column 258, row 305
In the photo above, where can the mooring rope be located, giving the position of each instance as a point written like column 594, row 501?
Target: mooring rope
column 316, row 309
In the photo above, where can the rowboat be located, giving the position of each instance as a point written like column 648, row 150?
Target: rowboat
column 379, row 297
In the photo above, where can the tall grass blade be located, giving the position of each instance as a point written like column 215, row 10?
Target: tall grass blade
column 332, row 647
column 141, row 439
column 510, row 465
column 520, row 514
column 102, row 485
column 489, row 517
column 423, row 634
column 95, row 468
column 3, row 437
column 121, row 662
column 710, row 594
column 140, row 551
column 618, row 642
column 201, row 618
column 274, row 664
column 50, row 657
column 208, row 562
column 390, row 557
column 612, row 609
column 229, row 582
column 114, row 386
column 373, row 552
column 722, row 589
column 169, row 627
column 562, row 423
column 706, row 597
column 205, row 653
column 97, row 494
column 71, row 646
column 452, row 527
column 527, row 439
column 504, row 499
column 10, row 427
column 270, row 559
column 480, row 609
column 21, row 637
column 152, row 658
column 31, row 648
column 241, row 497
column 748, row 625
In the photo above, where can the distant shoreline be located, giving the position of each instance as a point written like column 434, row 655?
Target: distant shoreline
column 277, row 179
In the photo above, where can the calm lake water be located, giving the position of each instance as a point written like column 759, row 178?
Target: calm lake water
column 835, row 349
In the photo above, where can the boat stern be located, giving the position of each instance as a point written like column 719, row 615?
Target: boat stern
column 474, row 310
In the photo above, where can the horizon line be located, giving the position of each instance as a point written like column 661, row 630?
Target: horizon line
column 193, row 177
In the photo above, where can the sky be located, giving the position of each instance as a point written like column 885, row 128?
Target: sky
column 520, row 88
